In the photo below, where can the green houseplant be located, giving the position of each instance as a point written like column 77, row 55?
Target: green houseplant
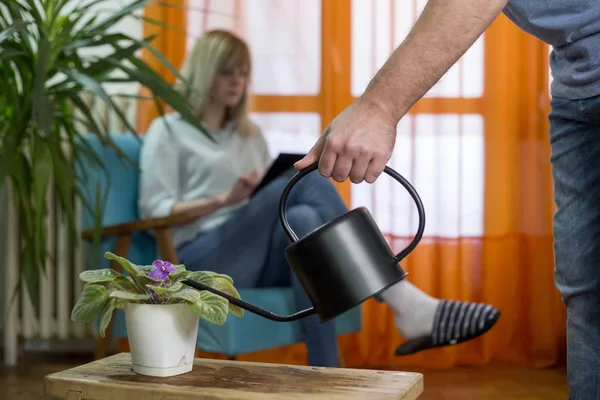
column 161, row 313
column 46, row 72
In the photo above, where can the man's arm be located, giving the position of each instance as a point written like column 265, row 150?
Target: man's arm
column 442, row 34
column 359, row 141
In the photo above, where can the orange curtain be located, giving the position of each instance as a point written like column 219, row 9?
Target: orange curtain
column 509, row 263
column 168, row 22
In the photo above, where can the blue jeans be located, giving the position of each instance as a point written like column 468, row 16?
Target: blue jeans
column 575, row 141
column 249, row 247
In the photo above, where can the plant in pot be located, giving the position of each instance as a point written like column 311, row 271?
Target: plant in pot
column 161, row 313
column 49, row 66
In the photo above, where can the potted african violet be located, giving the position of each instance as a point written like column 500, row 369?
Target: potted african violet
column 161, row 313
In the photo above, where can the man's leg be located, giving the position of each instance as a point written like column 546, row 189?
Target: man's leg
column 575, row 141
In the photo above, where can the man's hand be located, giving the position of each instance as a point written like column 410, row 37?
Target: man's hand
column 358, row 143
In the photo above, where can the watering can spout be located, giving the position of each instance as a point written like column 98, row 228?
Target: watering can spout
column 251, row 307
column 340, row 264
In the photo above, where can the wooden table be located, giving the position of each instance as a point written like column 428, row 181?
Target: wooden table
column 112, row 378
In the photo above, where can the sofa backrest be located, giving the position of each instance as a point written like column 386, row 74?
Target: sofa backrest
column 114, row 188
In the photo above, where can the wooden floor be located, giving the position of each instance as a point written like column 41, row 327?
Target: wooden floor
column 25, row 382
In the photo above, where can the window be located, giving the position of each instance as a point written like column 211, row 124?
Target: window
column 289, row 132
column 284, row 38
column 441, row 155
column 379, row 26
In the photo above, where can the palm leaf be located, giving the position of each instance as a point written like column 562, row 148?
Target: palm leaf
column 46, row 71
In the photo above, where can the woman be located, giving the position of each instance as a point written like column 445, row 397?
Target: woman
column 186, row 173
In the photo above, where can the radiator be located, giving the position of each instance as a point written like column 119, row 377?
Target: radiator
column 59, row 287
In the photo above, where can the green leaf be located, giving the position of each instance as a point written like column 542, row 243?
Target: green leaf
column 211, row 307
column 99, row 275
column 40, row 101
column 205, row 304
column 90, row 303
column 162, row 290
column 222, row 277
column 180, row 273
column 104, row 67
column 11, row 54
column 226, row 287
column 117, row 16
column 221, row 282
column 188, row 294
column 63, row 180
column 42, row 168
column 95, row 41
column 136, row 297
column 107, row 315
column 16, row 27
column 96, row 88
column 144, row 269
column 144, row 281
column 158, row 54
column 204, row 277
column 125, row 283
column 125, row 263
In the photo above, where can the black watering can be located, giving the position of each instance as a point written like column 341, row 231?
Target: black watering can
column 340, row 264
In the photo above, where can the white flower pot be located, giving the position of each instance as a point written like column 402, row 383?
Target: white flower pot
column 162, row 338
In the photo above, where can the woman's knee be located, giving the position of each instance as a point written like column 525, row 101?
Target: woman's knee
column 315, row 180
column 303, row 218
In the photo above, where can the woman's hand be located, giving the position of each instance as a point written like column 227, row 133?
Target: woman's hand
column 241, row 190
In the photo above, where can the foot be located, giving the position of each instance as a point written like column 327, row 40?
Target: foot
column 428, row 322
column 454, row 322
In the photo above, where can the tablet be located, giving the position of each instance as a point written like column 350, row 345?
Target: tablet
column 281, row 164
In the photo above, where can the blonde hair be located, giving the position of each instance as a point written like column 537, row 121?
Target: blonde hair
column 216, row 51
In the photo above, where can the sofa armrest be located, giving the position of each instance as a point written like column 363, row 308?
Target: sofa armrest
column 128, row 228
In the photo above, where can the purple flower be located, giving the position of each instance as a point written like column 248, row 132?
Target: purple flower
column 162, row 269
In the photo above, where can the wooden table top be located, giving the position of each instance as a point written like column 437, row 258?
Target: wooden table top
column 112, row 378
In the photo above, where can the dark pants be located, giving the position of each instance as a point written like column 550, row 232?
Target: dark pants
column 575, row 140
column 249, row 247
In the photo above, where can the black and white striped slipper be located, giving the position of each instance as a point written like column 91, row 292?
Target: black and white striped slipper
column 455, row 322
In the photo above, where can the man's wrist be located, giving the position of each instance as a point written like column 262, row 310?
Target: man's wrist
column 388, row 109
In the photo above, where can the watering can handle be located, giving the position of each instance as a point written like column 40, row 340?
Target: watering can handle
column 411, row 190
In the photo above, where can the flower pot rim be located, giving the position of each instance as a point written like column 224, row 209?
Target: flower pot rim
column 133, row 303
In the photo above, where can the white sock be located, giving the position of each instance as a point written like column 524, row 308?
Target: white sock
column 414, row 310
